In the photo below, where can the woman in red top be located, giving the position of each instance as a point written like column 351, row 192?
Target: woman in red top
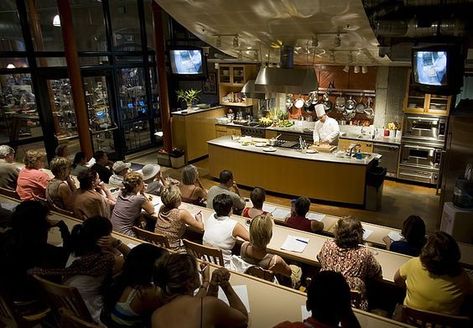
column 257, row 196
column 297, row 220
column 32, row 182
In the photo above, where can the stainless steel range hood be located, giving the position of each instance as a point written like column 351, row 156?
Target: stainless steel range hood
column 287, row 79
column 250, row 90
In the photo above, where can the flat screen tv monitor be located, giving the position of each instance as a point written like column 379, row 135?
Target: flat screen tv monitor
column 437, row 69
column 187, row 62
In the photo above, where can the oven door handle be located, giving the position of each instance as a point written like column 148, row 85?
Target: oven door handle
column 419, row 147
column 416, row 175
column 422, row 129
column 418, row 118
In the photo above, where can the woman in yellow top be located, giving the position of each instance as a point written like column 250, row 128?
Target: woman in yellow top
column 435, row 281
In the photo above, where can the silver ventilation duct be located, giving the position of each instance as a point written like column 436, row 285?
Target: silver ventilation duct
column 412, row 29
column 287, row 79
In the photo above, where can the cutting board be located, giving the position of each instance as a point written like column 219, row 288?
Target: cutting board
column 324, row 148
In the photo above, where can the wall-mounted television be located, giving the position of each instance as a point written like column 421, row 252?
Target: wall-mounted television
column 437, row 69
column 188, row 62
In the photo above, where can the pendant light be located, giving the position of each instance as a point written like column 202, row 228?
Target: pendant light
column 56, row 21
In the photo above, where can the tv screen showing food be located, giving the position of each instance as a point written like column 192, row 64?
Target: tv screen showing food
column 186, row 61
column 430, row 67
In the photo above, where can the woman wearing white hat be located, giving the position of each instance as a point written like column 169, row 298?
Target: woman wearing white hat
column 326, row 129
column 153, row 178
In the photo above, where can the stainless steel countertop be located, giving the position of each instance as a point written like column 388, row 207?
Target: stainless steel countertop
column 186, row 112
column 226, row 141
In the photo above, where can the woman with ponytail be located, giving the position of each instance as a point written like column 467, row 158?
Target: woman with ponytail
column 129, row 204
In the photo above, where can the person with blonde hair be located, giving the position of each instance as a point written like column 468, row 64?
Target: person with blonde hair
column 255, row 252
column 32, row 182
column 8, row 170
column 347, row 255
column 172, row 220
column 129, row 204
column 191, row 188
column 60, row 189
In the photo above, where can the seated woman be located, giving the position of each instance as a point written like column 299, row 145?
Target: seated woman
column 129, row 204
column 191, row 188
column 257, row 196
column 178, row 277
column 93, row 261
column 92, row 198
column 329, row 300
column 61, row 188
column 78, row 165
column 172, row 220
column 24, row 246
column 435, row 281
column 347, row 255
column 298, row 219
column 32, row 182
column 133, row 296
column 221, row 231
column 254, row 251
column 413, row 231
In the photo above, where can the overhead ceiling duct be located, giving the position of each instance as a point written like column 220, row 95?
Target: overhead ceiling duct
column 413, row 29
column 287, row 79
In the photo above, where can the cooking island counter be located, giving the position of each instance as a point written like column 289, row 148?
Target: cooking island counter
column 321, row 176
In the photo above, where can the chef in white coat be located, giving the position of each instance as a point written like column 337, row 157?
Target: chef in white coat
column 326, row 129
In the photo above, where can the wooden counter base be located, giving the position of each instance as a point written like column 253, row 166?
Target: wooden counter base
column 336, row 182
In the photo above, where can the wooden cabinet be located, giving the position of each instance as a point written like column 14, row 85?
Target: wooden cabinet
column 231, row 79
column 223, row 130
column 417, row 102
column 366, row 147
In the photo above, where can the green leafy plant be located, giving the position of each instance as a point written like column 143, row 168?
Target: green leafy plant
column 189, row 96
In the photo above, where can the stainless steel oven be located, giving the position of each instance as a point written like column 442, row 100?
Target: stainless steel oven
column 425, row 128
column 418, row 174
column 421, row 155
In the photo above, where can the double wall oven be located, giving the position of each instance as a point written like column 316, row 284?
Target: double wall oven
column 422, row 148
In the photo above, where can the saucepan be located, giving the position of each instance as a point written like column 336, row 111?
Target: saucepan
column 299, row 103
column 272, row 141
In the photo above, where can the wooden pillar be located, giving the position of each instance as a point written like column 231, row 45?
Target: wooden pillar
column 162, row 77
column 73, row 67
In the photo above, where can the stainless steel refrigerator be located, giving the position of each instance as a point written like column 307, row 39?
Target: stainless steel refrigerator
column 459, row 147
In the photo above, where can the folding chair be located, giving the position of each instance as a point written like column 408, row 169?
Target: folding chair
column 151, row 237
column 206, row 253
column 420, row 318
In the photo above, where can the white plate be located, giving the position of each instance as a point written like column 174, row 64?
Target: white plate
column 261, row 144
column 311, row 151
column 269, row 149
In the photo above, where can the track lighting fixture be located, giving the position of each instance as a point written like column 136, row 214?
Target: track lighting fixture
column 315, row 41
column 364, row 69
column 356, row 69
column 337, row 42
column 236, row 42
column 57, row 21
column 346, row 69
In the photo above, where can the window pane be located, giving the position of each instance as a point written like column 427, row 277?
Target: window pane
column 46, row 36
column 11, row 37
column 89, row 25
column 51, row 62
column 64, row 116
column 19, row 118
column 125, row 25
column 149, row 24
column 13, row 62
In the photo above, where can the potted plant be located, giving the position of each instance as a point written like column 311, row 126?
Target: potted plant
column 189, row 96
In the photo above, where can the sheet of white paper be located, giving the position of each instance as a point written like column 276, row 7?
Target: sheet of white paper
column 241, row 291
column 367, row 233
column 156, row 201
column 9, row 206
column 394, row 235
column 295, row 244
column 268, row 208
column 315, row 216
column 281, row 213
column 130, row 245
column 305, row 313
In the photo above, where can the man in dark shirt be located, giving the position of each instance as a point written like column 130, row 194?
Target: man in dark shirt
column 297, row 220
column 100, row 166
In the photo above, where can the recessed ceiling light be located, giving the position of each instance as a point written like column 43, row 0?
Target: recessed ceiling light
column 350, row 27
column 57, row 21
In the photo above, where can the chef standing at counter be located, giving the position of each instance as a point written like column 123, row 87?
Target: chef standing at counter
column 326, row 129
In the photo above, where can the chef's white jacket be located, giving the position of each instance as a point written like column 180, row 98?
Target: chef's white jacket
column 326, row 132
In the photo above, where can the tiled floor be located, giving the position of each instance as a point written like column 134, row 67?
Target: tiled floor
column 399, row 199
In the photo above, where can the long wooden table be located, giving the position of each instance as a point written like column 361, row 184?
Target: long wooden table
column 269, row 303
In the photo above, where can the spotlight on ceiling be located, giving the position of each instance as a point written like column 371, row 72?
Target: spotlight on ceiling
column 10, row 66
column 356, row 69
column 315, row 41
column 346, row 69
column 364, row 69
column 240, row 55
column 219, row 42
column 337, row 42
column 236, row 42
column 56, row 21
